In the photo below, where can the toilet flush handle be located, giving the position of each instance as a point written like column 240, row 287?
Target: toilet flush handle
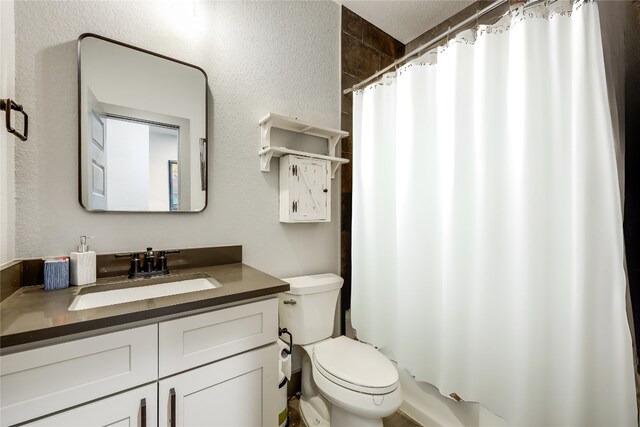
column 290, row 301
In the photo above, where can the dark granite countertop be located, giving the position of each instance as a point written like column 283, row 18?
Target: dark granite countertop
column 31, row 315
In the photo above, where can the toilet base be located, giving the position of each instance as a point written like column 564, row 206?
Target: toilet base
column 342, row 418
column 327, row 408
column 310, row 416
column 314, row 408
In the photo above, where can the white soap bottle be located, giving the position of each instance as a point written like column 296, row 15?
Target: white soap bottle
column 83, row 265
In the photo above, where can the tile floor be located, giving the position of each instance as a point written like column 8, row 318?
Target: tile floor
column 398, row 419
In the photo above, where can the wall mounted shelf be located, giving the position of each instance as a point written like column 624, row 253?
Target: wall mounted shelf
column 268, row 151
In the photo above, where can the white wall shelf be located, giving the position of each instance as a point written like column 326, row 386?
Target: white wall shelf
column 268, row 151
column 266, row 154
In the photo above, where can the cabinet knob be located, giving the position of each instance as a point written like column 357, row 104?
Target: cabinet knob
column 326, row 190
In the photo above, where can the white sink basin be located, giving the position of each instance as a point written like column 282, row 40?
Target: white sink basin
column 140, row 293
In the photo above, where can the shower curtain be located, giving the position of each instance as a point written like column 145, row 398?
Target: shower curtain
column 487, row 227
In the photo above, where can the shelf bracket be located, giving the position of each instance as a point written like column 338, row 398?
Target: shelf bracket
column 333, row 142
column 265, row 135
column 334, row 168
column 265, row 142
column 265, row 161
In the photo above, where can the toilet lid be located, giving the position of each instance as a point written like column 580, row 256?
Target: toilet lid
column 355, row 365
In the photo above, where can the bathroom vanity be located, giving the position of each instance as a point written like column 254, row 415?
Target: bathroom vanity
column 200, row 358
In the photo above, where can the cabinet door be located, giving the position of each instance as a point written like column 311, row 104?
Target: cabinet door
column 238, row 391
column 136, row 407
column 305, row 189
column 311, row 190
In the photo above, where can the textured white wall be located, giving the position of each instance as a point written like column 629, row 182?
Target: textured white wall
column 260, row 57
column 7, row 141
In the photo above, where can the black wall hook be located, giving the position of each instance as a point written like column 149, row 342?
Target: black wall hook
column 7, row 105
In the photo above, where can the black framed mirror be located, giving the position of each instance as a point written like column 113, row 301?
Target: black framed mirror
column 143, row 131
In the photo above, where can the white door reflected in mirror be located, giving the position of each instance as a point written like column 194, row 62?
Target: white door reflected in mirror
column 139, row 158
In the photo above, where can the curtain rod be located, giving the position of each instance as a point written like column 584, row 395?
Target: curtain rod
column 433, row 41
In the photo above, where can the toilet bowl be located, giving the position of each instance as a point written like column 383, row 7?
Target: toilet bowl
column 344, row 382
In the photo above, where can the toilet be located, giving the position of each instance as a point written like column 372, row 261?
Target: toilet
column 344, row 382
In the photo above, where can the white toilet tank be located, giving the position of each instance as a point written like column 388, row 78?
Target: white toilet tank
column 307, row 310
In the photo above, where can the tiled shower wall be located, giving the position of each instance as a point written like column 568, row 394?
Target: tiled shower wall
column 365, row 50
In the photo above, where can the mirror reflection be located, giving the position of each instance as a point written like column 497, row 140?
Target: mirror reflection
column 142, row 130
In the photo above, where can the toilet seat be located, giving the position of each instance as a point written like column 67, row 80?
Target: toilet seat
column 355, row 366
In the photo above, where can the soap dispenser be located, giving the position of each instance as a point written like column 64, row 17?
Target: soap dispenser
column 83, row 264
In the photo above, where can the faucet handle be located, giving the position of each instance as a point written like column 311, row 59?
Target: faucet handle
column 134, row 268
column 123, row 255
column 132, row 255
column 161, row 261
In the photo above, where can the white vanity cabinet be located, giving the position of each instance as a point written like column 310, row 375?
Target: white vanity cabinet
column 214, row 368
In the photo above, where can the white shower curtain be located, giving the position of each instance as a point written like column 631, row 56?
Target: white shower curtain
column 487, row 225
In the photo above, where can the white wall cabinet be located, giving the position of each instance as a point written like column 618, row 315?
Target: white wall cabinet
column 305, row 177
column 305, row 189
column 92, row 381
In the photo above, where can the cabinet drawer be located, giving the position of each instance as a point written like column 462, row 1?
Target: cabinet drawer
column 37, row 382
column 136, row 407
column 196, row 340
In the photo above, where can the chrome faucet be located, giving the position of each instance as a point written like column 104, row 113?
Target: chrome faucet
column 153, row 266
